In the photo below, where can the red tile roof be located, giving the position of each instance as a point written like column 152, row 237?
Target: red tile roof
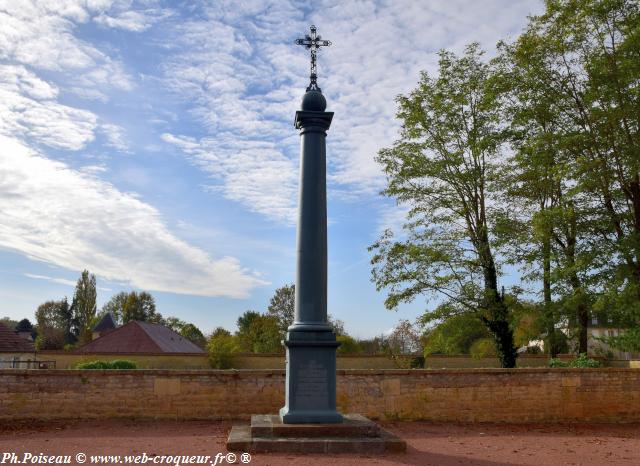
column 11, row 342
column 140, row 337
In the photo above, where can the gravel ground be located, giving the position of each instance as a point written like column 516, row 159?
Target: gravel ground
column 427, row 443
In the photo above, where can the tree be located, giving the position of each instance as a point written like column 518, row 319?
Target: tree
column 375, row 345
column 24, row 326
column 54, row 325
column 258, row 333
column 174, row 323
column 185, row 329
column 9, row 322
column 454, row 335
column 221, row 348
column 282, row 306
column 84, row 305
column 115, row 306
column 244, row 321
column 141, row 307
column 128, row 306
column 443, row 167
column 337, row 325
column 404, row 338
column 348, row 345
column 193, row 334
column 534, row 179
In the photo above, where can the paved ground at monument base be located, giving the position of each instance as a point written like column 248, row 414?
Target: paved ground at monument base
column 427, row 443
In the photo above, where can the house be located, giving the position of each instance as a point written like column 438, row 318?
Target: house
column 142, row 338
column 14, row 349
column 600, row 328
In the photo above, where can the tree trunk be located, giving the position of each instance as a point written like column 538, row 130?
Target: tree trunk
column 549, row 318
column 582, row 310
column 634, row 190
column 497, row 320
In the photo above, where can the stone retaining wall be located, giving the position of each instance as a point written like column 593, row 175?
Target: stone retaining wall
column 471, row 395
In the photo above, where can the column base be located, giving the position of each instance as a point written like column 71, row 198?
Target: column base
column 309, row 417
column 311, row 378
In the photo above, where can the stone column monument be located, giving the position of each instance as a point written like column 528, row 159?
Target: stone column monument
column 310, row 342
column 309, row 422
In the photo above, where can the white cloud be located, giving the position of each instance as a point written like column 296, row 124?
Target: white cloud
column 115, row 136
column 239, row 69
column 94, row 169
column 252, row 173
column 62, row 281
column 135, row 21
column 40, row 34
column 392, row 217
column 58, row 215
column 27, row 108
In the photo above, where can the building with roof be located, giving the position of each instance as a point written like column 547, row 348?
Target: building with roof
column 140, row 338
column 106, row 324
column 14, row 349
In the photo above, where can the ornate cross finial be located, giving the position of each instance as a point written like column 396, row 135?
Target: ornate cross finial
column 313, row 42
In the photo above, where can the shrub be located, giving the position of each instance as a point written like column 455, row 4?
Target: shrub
column 94, row 365
column 582, row 361
column 123, row 364
column 117, row 364
column 555, row 362
column 221, row 348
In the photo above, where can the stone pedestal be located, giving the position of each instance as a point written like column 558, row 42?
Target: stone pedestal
column 356, row 434
column 310, row 390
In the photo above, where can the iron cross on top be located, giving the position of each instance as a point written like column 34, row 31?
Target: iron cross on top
column 313, row 42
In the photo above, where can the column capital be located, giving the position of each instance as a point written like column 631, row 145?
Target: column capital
column 306, row 119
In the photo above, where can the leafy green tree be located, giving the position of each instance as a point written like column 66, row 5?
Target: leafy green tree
column 534, row 179
column 24, row 326
column 9, row 322
column 348, row 345
column 337, row 325
column 174, row 323
column 84, row 305
column 442, row 168
column 193, row 334
column 53, row 325
column 115, row 306
column 588, row 60
column 454, row 335
column 142, row 307
column 244, row 321
column 282, row 306
column 627, row 341
column 483, row 348
column 258, row 333
column 221, row 347
column 128, row 306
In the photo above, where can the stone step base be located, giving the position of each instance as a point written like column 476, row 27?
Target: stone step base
column 353, row 425
column 267, row 434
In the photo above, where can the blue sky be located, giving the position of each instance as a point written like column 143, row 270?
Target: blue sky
column 152, row 143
